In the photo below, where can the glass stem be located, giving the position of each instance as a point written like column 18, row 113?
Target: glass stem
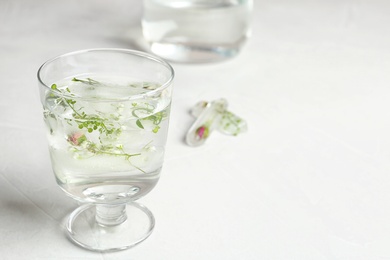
column 110, row 215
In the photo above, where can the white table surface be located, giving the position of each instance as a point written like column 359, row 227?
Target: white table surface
column 309, row 180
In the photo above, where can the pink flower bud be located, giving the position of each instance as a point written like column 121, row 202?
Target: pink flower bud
column 77, row 138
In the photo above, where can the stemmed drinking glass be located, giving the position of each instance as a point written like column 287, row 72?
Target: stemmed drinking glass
column 107, row 113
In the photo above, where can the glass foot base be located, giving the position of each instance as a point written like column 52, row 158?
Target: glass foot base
column 86, row 228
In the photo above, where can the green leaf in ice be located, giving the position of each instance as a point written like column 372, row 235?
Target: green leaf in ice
column 155, row 118
column 88, row 81
column 139, row 124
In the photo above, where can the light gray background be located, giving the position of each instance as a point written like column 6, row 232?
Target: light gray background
column 309, row 180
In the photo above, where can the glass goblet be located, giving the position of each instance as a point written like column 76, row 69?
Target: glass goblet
column 107, row 114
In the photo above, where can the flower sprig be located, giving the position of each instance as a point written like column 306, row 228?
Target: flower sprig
column 89, row 122
column 80, row 142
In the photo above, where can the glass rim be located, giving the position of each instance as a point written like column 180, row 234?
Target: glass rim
column 148, row 56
